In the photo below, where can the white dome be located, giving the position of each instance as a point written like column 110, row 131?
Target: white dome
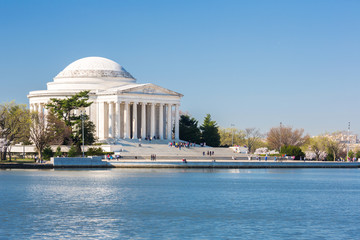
column 91, row 73
column 94, row 67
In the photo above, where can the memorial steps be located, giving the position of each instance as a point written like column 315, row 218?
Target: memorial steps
column 130, row 148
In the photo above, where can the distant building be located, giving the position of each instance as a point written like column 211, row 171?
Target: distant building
column 343, row 137
column 346, row 139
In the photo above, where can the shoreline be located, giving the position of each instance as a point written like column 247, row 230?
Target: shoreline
column 220, row 164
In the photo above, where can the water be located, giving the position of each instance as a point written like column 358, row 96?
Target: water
column 180, row 204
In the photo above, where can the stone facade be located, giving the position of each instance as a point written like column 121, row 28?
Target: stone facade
column 121, row 109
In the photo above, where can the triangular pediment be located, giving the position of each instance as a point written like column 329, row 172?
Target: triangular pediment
column 150, row 89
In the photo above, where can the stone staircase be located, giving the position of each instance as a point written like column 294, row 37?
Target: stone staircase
column 129, row 149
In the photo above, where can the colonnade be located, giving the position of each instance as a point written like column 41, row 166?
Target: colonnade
column 133, row 120
column 38, row 107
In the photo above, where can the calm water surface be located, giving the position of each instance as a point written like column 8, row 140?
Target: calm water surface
column 180, row 204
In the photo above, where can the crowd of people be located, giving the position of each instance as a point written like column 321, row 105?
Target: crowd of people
column 148, row 138
column 179, row 145
column 209, row 153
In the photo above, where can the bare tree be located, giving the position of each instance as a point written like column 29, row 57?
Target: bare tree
column 59, row 131
column 3, row 148
column 47, row 130
column 14, row 126
column 285, row 136
column 39, row 132
column 252, row 138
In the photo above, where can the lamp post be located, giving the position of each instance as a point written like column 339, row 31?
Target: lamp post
column 82, row 129
column 23, row 149
column 348, row 143
column 280, row 136
column 232, row 135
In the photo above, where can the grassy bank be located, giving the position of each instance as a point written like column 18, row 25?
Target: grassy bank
column 19, row 160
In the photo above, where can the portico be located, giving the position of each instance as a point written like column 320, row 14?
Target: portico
column 121, row 108
column 133, row 120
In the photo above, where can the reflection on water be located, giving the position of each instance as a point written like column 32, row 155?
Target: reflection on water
column 180, row 203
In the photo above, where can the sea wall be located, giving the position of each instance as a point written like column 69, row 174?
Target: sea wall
column 97, row 162
column 194, row 164
column 79, row 162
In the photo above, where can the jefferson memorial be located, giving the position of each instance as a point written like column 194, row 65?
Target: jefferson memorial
column 121, row 108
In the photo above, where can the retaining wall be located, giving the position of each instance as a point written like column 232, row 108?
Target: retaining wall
column 78, row 162
column 235, row 165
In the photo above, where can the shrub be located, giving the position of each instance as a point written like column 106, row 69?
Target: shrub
column 73, row 152
column 95, row 152
column 293, row 151
column 330, row 157
column 357, row 155
column 47, row 153
column 58, row 152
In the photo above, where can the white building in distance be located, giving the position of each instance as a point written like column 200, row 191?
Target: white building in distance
column 122, row 108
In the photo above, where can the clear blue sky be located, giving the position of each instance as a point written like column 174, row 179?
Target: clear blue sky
column 248, row 63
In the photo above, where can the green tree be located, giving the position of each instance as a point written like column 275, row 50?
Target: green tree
column 14, row 126
column 210, row 132
column 64, row 109
column 357, row 155
column 73, row 151
column 351, row 154
column 334, row 150
column 188, row 129
column 230, row 135
column 89, row 132
column 319, row 146
column 58, row 152
column 47, row 153
column 292, row 151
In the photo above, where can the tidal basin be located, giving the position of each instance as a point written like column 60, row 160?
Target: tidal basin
column 180, row 204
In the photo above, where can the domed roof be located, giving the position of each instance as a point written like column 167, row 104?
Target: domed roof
column 94, row 67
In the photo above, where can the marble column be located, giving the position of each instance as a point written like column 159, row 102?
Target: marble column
column 117, row 120
column 126, row 121
column 152, row 121
column 112, row 132
column 46, row 112
column 177, row 121
column 106, row 120
column 109, row 118
column 168, row 121
column 43, row 107
column 101, row 124
column 122, row 124
column 39, row 108
column 161, row 121
column 143, row 120
column 135, row 120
